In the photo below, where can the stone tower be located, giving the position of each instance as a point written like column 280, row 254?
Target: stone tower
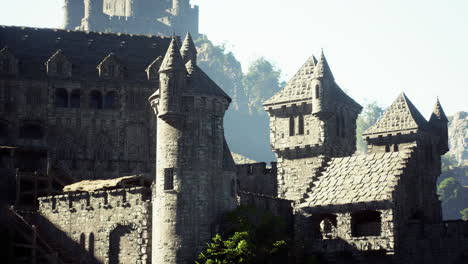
column 403, row 128
column 195, row 173
column 311, row 119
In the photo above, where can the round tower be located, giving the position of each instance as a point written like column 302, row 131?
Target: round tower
column 193, row 185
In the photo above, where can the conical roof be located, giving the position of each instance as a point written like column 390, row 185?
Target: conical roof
column 400, row 116
column 188, row 46
column 172, row 59
column 299, row 87
column 323, row 69
column 438, row 113
column 201, row 84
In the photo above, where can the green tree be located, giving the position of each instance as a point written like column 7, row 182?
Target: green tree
column 253, row 236
column 261, row 82
column 464, row 214
column 369, row 116
column 453, row 196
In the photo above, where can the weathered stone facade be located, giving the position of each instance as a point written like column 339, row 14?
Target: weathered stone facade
column 107, row 226
column 155, row 17
column 80, row 100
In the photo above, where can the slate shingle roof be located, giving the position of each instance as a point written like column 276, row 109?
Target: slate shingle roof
column 400, row 116
column 85, row 50
column 363, row 178
column 299, row 87
column 201, row 84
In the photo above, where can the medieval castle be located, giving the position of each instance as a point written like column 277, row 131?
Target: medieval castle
column 113, row 151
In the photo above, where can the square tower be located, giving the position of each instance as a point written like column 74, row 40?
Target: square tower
column 311, row 119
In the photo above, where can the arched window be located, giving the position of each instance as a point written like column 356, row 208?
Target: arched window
column 291, row 126
column 366, row 223
column 83, row 241
column 110, row 100
column 395, row 148
column 91, row 244
column 31, row 131
column 61, row 98
column 301, row 125
column 75, row 99
column 95, row 100
column 317, row 91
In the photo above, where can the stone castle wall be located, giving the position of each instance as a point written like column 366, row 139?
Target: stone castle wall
column 257, row 178
column 89, row 122
column 104, row 226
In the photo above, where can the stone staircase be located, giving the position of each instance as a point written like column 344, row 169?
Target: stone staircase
column 32, row 245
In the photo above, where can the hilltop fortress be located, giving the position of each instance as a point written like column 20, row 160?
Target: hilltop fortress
column 153, row 17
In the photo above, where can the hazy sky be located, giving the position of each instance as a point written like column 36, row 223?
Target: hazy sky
column 376, row 48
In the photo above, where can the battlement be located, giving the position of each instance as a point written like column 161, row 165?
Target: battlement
column 87, row 201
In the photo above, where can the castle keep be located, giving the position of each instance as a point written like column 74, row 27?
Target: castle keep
column 154, row 17
column 113, row 151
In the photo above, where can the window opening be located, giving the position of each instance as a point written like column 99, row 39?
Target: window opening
column 301, row 125
column 387, row 148
column 395, row 148
column 95, row 100
column 61, row 98
column 169, row 179
column 317, row 91
column 291, row 126
column 366, row 223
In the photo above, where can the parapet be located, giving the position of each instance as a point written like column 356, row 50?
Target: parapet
column 103, row 199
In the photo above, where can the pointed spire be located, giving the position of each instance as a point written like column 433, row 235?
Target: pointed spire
column 322, row 69
column 172, row 59
column 188, row 50
column 438, row 113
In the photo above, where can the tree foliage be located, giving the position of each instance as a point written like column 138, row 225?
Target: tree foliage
column 454, row 197
column 261, row 82
column 464, row 214
column 369, row 116
column 253, row 236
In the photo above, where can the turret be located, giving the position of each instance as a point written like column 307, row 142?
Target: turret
column 172, row 77
column 400, row 126
column 73, row 13
column 439, row 125
column 322, row 85
column 195, row 172
column 188, row 50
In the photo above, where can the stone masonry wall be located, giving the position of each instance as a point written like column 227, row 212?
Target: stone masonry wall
column 341, row 238
column 257, row 178
column 295, row 176
column 113, row 226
